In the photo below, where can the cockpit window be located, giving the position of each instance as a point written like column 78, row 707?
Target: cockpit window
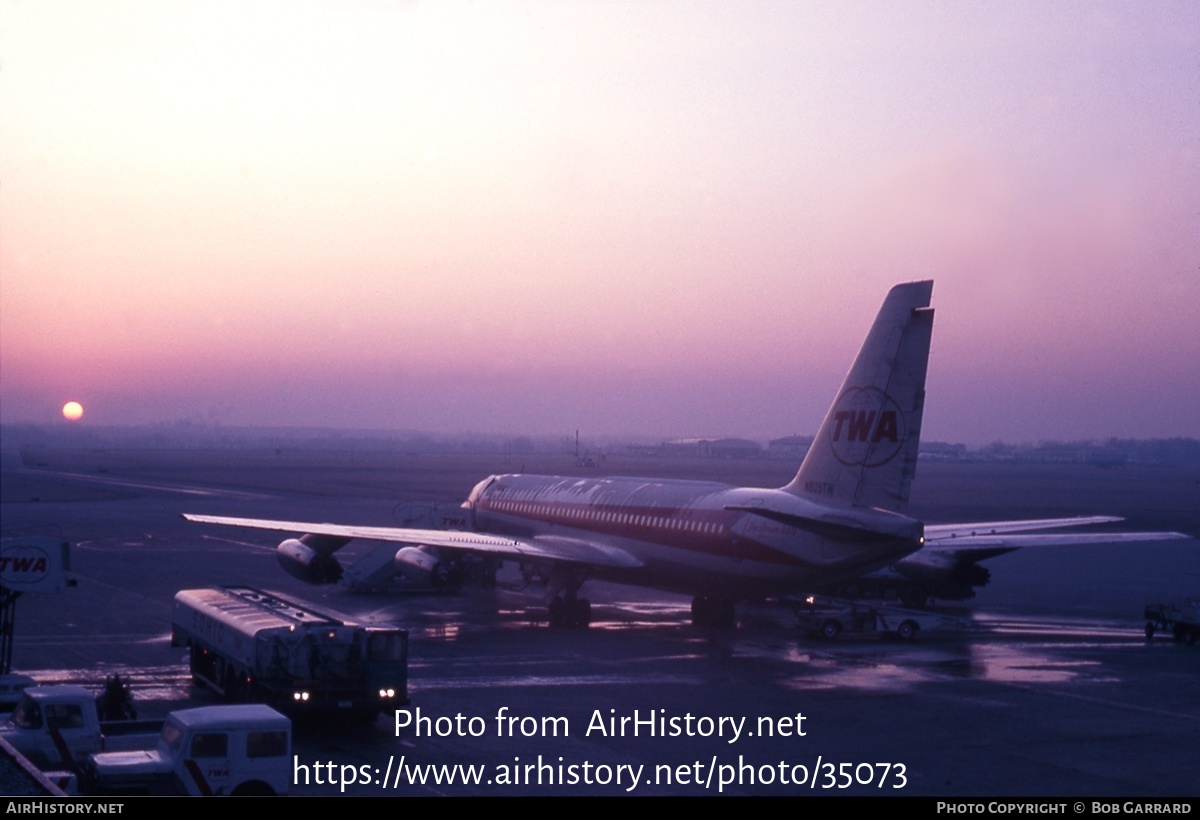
column 477, row 492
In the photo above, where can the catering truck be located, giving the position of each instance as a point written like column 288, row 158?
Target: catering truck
column 250, row 645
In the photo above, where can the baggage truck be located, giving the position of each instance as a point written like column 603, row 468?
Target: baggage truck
column 251, row 645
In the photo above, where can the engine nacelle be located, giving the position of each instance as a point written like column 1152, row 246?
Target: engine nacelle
column 300, row 560
column 421, row 564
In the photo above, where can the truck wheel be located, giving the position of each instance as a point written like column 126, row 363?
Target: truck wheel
column 236, row 690
column 908, row 630
column 830, row 630
column 1149, row 630
column 254, row 788
column 1189, row 635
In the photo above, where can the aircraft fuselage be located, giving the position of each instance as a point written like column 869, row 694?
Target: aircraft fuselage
column 696, row 536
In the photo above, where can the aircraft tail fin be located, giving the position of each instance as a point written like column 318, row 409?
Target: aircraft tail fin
column 865, row 452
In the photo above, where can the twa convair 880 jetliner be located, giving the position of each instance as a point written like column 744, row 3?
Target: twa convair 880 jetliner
column 840, row 517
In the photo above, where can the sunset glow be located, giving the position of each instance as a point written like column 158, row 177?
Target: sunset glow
column 672, row 219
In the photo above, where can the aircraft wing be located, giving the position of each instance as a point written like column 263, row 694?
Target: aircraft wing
column 540, row 548
column 995, row 537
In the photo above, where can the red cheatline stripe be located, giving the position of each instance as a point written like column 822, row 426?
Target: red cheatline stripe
column 61, row 745
column 198, row 776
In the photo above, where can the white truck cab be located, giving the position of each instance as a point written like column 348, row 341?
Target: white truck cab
column 210, row 750
column 54, row 726
column 12, row 686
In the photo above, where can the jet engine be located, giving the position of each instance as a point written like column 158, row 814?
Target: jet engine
column 422, row 564
column 310, row 558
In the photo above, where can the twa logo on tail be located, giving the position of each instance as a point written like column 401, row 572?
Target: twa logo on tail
column 868, row 428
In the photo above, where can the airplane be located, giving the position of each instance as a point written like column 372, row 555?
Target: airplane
column 839, row 519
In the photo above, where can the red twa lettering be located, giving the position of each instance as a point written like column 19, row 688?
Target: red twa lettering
column 22, row 564
column 863, row 426
column 886, row 427
column 860, row 424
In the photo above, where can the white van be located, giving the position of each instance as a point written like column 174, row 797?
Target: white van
column 210, row 750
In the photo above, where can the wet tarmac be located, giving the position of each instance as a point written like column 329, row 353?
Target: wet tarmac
column 1049, row 689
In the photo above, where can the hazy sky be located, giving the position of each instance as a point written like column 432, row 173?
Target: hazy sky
column 665, row 218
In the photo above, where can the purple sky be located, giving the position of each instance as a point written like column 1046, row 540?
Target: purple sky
column 654, row 218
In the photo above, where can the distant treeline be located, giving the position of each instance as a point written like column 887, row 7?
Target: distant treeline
column 1106, row 453
column 1111, row 452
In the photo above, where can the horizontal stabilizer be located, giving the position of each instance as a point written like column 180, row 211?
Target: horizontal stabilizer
column 980, row 540
column 936, row 532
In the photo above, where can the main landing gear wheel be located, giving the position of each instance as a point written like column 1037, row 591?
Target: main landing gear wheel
column 569, row 612
column 714, row 612
column 446, row 577
column 830, row 630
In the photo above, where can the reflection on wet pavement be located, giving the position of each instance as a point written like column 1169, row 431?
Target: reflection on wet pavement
column 447, row 631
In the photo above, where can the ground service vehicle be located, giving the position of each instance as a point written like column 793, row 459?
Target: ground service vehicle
column 210, row 750
column 832, row 617
column 58, row 726
column 250, row 645
column 11, row 687
column 1182, row 620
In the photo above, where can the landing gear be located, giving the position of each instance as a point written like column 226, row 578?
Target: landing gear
column 567, row 609
column 711, row 611
column 569, row 612
column 450, row 575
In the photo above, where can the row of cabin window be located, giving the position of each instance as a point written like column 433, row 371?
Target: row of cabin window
column 620, row 518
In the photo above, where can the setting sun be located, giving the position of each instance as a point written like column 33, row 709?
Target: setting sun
column 72, row 411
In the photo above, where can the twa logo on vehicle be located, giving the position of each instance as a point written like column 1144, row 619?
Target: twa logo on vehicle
column 868, row 428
